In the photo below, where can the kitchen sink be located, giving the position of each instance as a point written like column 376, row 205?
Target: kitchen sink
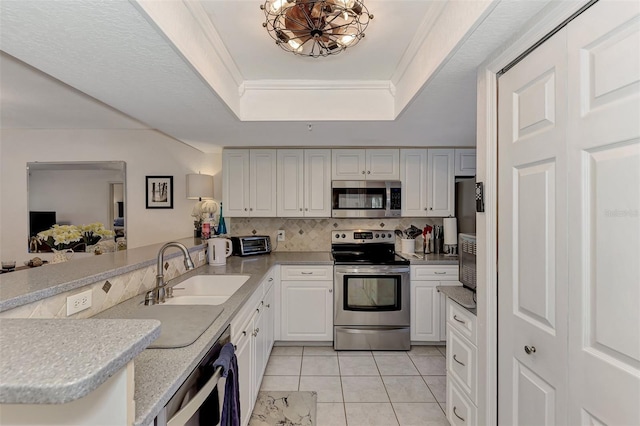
column 206, row 289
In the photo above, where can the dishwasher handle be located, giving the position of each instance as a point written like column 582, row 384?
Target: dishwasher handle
column 182, row 416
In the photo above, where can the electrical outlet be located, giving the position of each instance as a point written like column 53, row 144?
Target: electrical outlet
column 78, row 302
column 201, row 256
column 281, row 235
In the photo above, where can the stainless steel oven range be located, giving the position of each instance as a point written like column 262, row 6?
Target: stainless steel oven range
column 371, row 292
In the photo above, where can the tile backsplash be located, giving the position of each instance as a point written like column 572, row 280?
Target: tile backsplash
column 315, row 234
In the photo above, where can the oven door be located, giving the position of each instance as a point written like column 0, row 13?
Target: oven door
column 370, row 295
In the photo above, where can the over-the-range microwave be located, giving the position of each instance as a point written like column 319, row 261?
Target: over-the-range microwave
column 366, row 198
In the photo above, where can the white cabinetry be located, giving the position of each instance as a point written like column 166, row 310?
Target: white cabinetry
column 307, row 303
column 363, row 164
column 462, row 387
column 465, row 162
column 304, row 183
column 428, row 316
column 428, row 182
column 252, row 334
column 249, row 182
column 440, row 183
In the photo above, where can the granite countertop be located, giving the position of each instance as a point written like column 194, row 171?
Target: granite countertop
column 160, row 372
column 26, row 286
column 462, row 295
column 50, row 361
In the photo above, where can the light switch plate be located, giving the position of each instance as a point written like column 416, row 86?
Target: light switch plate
column 281, row 235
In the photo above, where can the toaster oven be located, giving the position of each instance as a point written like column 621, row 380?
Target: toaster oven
column 250, row 245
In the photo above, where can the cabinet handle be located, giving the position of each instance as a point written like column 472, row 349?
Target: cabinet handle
column 530, row 350
column 456, row 318
column 255, row 333
column 456, row 360
column 269, row 305
column 300, row 208
column 306, row 273
column 250, row 209
column 330, row 290
column 368, row 172
column 430, row 208
column 454, row 412
column 270, row 279
column 306, row 209
column 258, row 310
column 440, row 273
column 244, row 333
column 363, row 172
column 262, row 303
column 245, row 209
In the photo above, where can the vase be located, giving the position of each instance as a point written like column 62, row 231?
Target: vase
column 222, row 227
column 60, row 256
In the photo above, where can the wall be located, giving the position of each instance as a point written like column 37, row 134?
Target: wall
column 315, row 234
column 146, row 152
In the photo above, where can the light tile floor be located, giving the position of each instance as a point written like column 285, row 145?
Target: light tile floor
column 365, row 388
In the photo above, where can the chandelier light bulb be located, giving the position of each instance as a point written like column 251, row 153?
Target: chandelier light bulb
column 316, row 27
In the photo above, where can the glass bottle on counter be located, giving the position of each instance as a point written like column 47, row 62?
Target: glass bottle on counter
column 222, row 227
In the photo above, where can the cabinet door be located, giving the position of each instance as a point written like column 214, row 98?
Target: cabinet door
column 413, row 174
column 465, row 162
column 383, row 164
column 348, row 164
column 440, row 183
column 244, row 349
column 260, row 349
column 263, row 179
column 291, row 185
column 269, row 321
column 307, row 310
column 317, row 183
column 425, row 311
column 235, row 181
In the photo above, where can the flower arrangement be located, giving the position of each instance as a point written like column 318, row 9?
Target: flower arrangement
column 94, row 232
column 203, row 210
column 61, row 237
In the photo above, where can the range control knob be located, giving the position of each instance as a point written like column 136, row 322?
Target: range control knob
column 337, row 235
column 382, row 235
column 377, row 235
column 389, row 235
column 343, row 236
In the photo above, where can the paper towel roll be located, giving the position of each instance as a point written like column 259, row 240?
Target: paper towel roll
column 450, row 230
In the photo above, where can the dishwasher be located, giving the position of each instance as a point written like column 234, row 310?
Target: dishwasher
column 200, row 397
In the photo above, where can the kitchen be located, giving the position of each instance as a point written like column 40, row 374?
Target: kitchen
column 146, row 227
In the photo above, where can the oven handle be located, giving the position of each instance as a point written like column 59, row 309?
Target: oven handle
column 381, row 270
column 182, row 416
column 365, row 331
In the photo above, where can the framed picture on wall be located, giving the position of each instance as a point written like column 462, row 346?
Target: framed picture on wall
column 159, row 192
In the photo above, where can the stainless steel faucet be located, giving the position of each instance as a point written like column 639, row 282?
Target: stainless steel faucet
column 158, row 294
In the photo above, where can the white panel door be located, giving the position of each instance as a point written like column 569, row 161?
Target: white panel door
column 317, row 183
column 262, row 188
column 532, row 239
column 440, row 183
column 235, row 182
column 413, row 175
column 307, row 310
column 348, row 164
column 425, row 311
column 383, row 164
column 604, row 248
column 465, row 162
column 290, row 193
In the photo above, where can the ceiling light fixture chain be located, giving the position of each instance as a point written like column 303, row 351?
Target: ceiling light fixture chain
column 316, row 27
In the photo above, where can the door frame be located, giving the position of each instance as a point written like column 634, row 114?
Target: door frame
column 552, row 16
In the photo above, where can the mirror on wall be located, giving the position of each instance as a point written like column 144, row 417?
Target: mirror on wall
column 78, row 193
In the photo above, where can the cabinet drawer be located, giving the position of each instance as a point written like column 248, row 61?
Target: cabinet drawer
column 461, row 320
column 460, row 410
column 462, row 362
column 431, row 273
column 306, row 272
column 239, row 321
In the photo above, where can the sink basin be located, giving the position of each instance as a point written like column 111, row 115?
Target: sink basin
column 206, row 289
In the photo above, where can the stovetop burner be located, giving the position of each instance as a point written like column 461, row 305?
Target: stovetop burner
column 365, row 247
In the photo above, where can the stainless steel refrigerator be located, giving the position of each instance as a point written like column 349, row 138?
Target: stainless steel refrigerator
column 466, row 205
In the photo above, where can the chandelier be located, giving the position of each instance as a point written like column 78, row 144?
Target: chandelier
column 316, row 27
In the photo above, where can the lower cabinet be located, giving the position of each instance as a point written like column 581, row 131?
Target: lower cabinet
column 428, row 313
column 252, row 334
column 306, row 303
column 462, row 387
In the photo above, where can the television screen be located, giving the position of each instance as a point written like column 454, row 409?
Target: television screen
column 40, row 221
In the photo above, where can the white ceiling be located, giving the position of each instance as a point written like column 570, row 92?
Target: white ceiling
column 207, row 73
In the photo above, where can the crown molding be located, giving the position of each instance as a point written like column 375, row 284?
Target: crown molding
column 331, row 85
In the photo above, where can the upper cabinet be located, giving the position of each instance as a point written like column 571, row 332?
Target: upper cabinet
column 249, row 182
column 365, row 164
column 428, row 185
column 465, row 162
column 304, row 183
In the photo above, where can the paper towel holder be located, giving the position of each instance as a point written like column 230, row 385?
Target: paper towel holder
column 450, row 247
